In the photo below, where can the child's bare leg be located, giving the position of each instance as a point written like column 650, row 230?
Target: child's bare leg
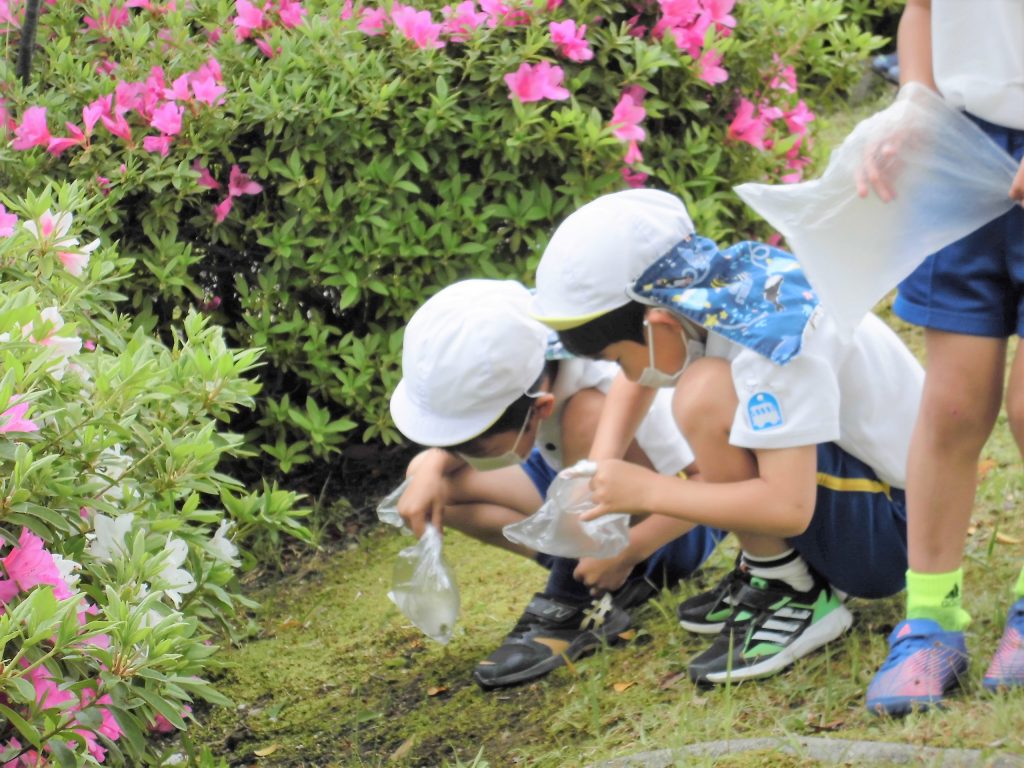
column 961, row 399
column 579, row 424
column 483, row 503
column 704, row 407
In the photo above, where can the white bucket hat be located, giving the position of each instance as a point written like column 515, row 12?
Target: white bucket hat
column 600, row 250
column 469, row 352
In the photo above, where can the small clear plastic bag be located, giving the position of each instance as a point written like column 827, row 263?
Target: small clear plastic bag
column 424, row 589
column 556, row 529
column 948, row 177
column 387, row 509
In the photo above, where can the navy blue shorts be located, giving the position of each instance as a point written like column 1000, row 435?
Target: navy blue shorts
column 669, row 564
column 857, row 539
column 976, row 285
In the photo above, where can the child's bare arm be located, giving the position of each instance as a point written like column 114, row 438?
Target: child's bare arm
column 779, row 502
column 914, row 43
column 624, row 408
column 424, row 499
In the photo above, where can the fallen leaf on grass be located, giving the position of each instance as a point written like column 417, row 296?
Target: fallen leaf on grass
column 437, row 690
column 623, row 687
column 1002, row 538
column 290, row 623
column 629, row 634
column 814, row 722
column 266, row 751
column 669, row 680
column 404, row 748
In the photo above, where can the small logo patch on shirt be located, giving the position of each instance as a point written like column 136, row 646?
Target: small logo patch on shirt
column 764, row 411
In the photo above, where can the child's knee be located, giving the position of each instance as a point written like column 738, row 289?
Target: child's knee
column 705, row 397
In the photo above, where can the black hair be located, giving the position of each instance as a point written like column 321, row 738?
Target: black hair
column 625, row 323
column 514, row 416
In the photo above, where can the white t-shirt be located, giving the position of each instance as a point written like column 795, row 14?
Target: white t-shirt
column 658, row 435
column 978, row 57
column 862, row 394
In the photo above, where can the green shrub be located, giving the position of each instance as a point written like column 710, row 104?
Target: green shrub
column 388, row 170
column 119, row 534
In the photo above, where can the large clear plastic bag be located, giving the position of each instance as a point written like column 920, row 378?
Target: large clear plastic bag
column 387, row 509
column 556, row 529
column 949, row 179
column 424, row 587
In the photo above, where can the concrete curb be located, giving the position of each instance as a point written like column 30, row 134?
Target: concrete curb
column 833, row 751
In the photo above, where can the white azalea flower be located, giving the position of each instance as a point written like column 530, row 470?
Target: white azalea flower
column 108, row 541
column 67, row 568
column 52, row 230
column 112, row 465
column 176, row 580
column 222, row 547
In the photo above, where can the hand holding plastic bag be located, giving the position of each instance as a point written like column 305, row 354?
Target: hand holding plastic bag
column 424, row 587
column 556, row 529
column 936, row 177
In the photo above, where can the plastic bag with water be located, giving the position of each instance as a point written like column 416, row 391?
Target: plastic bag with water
column 949, row 179
column 556, row 529
column 424, row 589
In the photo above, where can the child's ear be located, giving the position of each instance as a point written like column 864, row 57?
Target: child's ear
column 544, row 405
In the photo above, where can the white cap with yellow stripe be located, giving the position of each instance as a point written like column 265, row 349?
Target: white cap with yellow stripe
column 600, row 250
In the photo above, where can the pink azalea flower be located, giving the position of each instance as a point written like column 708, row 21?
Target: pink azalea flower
column 205, row 177
column 291, row 13
column 222, row 209
column 33, row 131
column 710, row 71
column 633, row 154
column 680, row 11
column 691, row 38
column 161, row 144
column 7, row 222
column 90, row 345
column 250, row 19
column 747, row 127
column 372, row 21
column 212, row 67
column 28, row 565
column 798, row 118
column 162, row 725
column 58, row 144
column 207, row 90
column 571, row 42
column 458, row 23
column 179, row 89
column 553, row 5
column 91, row 113
column 634, row 179
column 536, row 82
column 785, row 79
column 240, row 184
column 718, row 12
column 627, row 116
column 108, row 726
column 13, row 420
column 116, row 18
column 118, row 126
column 129, row 96
column 634, row 27
column 106, row 67
column 347, row 11
column 267, row 49
column 500, row 14
column 417, row 26
column 167, row 118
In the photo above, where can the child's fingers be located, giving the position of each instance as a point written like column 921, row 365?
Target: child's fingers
column 594, row 512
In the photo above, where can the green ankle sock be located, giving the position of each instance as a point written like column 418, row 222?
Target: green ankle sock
column 1018, row 589
column 936, row 596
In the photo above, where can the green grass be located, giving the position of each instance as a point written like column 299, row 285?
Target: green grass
column 337, row 677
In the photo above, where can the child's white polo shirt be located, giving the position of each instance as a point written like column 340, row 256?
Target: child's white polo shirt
column 862, row 393
column 657, row 435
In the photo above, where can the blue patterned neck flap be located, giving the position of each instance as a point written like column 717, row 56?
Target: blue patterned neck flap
column 751, row 293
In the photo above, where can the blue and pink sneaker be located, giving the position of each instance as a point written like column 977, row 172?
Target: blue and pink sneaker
column 1007, row 667
column 925, row 664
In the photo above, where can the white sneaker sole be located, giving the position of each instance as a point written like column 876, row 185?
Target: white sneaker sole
column 823, row 632
column 703, row 629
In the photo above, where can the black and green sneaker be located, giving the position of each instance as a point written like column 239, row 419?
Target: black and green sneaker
column 549, row 633
column 707, row 612
column 772, row 626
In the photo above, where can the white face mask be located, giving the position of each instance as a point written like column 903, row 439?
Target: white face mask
column 658, row 379
column 507, row 459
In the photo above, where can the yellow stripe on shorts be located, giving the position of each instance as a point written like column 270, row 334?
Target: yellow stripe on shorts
column 853, row 484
